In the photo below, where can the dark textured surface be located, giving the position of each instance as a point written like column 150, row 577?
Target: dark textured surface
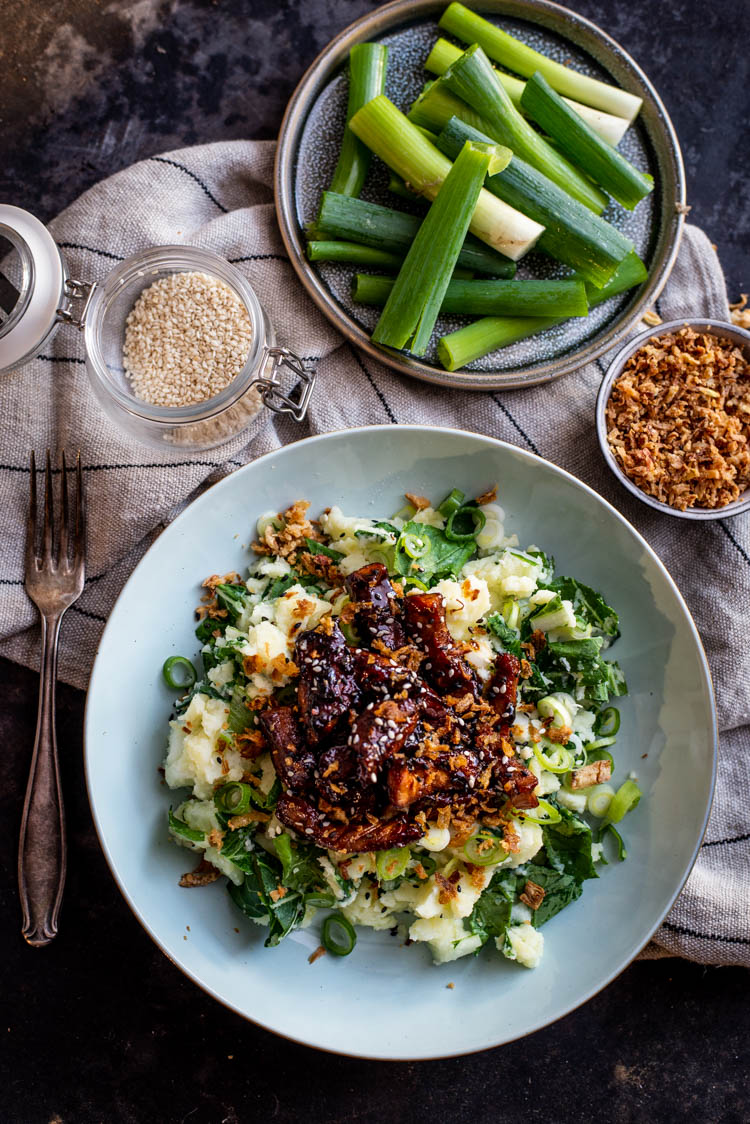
column 100, row 1026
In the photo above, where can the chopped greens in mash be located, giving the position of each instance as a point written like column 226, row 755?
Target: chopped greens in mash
column 402, row 724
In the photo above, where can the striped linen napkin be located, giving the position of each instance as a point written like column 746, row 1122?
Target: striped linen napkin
column 219, row 197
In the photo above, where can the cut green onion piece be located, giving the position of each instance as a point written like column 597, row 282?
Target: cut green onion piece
column 452, row 502
column 367, row 63
column 553, row 758
column 234, row 798
column 578, row 141
column 516, row 56
column 609, row 127
column 600, row 743
column 551, row 707
column 599, row 755
column 599, row 799
column 186, row 673
column 545, row 813
column 465, row 524
column 511, row 612
column 403, row 148
column 353, row 252
column 607, row 721
column 473, row 80
column 392, row 864
column 413, row 546
column 624, row 800
column 622, row 853
column 337, row 935
column 573, row 234
column 416, row 583
column 483, row 297
column 494, row 332
column 408, row 318
column 484, row 849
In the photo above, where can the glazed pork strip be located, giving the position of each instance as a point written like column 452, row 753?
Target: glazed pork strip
column 377, row 609
column 309, row 823
column 502, row 690
column 445, row 668
column 292, row 758
column 381, row 677
column 381, row 730
column 326, row 687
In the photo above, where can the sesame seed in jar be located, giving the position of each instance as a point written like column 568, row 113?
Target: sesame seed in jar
column 186, row 337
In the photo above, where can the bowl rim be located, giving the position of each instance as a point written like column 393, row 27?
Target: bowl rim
column 712, row 327
column 267, row 460
column 387, row 18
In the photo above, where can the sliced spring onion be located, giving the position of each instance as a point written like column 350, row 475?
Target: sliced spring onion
column 599, row 755
column 337, row 935
column 545, row 813
column 465, row 524
column 473, row 79
column 416, row 583
column 452, row 502
column 600, row 743
column 186, row 673
column 408, row 318
column 573, row 234
column 393, row 138
column 624, row 800
column 599, row 799
column 484, row 849
column 607, row 721
column 516, row 56
column 413, row 546
column 551, row 707
column 553, row 758
column 367, row 64
column 494, row 332
column 484, row 297
column 179, row 827
column 511, row 612
column 234, row 798
column 610, row 128
column 622, row 853
column 578, row 141
column 392, row 864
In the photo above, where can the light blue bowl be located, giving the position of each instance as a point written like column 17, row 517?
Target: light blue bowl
column 387, row 1000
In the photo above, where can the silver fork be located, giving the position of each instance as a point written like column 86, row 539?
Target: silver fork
column 54, row 580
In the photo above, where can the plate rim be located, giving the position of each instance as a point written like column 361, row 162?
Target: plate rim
column 636, row 948
column 379, row 22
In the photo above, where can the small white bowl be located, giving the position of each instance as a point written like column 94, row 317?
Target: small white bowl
column 719, row 328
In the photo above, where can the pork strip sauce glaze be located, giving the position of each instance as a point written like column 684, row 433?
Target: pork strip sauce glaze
column 388, row 736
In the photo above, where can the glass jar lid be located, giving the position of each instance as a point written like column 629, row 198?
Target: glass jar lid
column 32, row 285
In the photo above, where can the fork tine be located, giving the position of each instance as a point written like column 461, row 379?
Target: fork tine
column 63, row 562
column 48, row 515
column 79, row 542
column 31, row 559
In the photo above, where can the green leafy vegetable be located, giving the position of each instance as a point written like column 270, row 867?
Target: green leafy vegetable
column 320, row 548
column 508, row 637
column 442, row 557
column 567, row 845
column 179, row 827
column 560, row 889
column 282, row 911
column 233, row 598
column 587, row 604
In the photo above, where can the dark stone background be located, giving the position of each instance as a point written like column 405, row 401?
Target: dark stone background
column 101, row 1026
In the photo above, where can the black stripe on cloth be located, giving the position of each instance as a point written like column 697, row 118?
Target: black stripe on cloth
column 201, row 184
column 259, row 257
column 513, row 422
column 86, row 613
column 374, row 386
column 60, row 359
column 11, row 581
column 90, row 250
column 118, row 467
column 731, row 839
column 733, row 541
column 705, row 936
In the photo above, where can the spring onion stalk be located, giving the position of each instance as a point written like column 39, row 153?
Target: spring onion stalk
column 367, row 63
column 398, row 187
column 573, row 234
column 610, row 128
column 337, row 935
column 436, row 105
column 393, row 138
column 408, row 318
column 473, row 79
column 493, row 332
column 513, row 55
column 489, row 298
column 580, row 143
column 353, row 252
column 185, row 675
column 354, row 220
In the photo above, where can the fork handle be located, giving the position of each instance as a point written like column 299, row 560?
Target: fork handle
column 42, row 851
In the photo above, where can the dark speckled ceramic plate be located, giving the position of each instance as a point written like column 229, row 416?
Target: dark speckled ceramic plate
column 308, row 149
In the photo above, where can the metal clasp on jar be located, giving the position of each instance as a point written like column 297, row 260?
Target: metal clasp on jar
column 296, row 401
column 76, row 291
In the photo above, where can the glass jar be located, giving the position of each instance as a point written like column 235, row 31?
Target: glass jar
column 35, row 273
